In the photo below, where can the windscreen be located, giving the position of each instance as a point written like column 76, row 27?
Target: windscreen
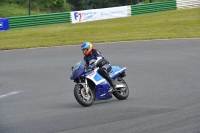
column 76, row 65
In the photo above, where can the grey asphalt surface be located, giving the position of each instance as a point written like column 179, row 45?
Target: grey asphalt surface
column 36, row 94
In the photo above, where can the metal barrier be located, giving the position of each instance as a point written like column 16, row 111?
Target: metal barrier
column 36, row 20
column 182, row 4
column 153, row 7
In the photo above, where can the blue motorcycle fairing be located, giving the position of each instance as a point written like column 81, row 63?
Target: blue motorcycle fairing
column 102, row 91
column 102, row 85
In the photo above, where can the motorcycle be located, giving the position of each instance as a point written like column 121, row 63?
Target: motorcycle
column 91, row 86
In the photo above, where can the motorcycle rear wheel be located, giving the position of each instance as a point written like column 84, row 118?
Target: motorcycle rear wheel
column 83, row 98
column 123, row 92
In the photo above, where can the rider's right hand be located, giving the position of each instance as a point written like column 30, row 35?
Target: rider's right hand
column 89, row 67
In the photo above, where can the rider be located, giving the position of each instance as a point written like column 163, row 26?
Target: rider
column 94, row 58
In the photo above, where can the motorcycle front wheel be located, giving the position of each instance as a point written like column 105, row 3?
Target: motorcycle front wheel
column 81, row 96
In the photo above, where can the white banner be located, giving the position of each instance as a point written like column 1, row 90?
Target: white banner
column 99, row 14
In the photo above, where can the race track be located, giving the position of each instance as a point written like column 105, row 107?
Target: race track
column 36, row 93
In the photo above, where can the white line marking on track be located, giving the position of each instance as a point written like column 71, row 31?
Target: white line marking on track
column 9, row 94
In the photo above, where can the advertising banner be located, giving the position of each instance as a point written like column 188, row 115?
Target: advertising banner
column 99, row 14
column 4, row 24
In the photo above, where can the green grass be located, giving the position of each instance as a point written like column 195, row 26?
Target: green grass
column 13, row 10
column 163, row 25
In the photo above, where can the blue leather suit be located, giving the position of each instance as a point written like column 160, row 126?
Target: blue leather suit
column 103, row 69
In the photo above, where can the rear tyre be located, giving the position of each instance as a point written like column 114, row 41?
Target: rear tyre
column 123, row 92
column 81, row 97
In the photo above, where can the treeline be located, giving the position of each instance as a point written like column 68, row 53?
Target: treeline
column 73, row 5
column 77, row 5
column 42, row 5
column 95, row 4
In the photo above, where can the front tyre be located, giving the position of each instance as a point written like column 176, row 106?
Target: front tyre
column 123, row 92
column 81, row 96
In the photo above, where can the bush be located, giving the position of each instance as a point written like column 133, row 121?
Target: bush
column 42, row 5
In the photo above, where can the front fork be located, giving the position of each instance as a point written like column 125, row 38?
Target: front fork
column 86, row 83
column 86, row 86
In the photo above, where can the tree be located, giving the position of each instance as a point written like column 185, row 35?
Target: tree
column 44, row 5
column 76, row 5
column 95, row 4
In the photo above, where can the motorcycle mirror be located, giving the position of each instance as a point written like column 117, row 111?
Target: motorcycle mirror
column 72, row 67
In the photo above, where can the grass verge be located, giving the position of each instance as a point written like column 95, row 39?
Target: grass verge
column 163, row 25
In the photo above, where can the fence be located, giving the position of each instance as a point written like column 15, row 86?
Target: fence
column 36, row 20
column 181, row 4
column 65, row 17
column 153, row 7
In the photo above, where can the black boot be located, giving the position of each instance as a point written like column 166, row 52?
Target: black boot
column 113, row 85
column 108, row 78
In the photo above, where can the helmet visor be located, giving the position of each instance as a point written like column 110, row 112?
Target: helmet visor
column 84, row 51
